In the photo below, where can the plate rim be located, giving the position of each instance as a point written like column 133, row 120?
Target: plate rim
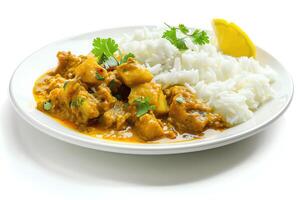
column 142, row 149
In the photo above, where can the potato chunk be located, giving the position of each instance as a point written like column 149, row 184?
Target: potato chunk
column 189, row 114
column 148, row 127
column 67, row 63
column 105, row 98
column 90, row 72
column 154, row 92
column 74, row 103
column 115, row 117
column 132, row 74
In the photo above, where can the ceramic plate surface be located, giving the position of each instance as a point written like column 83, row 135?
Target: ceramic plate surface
column 39, row 62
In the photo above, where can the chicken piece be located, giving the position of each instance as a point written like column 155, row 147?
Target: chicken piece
column 90, row 72
column 59, row 107
column 112, row 81
column 132, row 73
column 46, row 83
column 85, row 106
column 74, row 103
column 117, row 88
column 155, row 94
column 148, row 127
column 115, row 117
column 67, row 63
column 106, row 100
column 189, row 114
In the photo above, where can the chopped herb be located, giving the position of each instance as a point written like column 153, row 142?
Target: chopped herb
column 125, row 58
column 180, row 99
column 143, row 106
column 77, row 102
column 198, row 37
column 99, row 77
column 47, row 105
column 65, row 84
column 104, row 48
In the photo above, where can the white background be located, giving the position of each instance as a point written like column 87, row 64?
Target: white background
column 35, row 166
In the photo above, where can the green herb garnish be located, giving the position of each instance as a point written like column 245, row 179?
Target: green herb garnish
column 183, row 28
column 99, row 77
column 77, row 102
column 171, row 35
column 200, row 37
column 104, row 48
column 197, row 36
column 143, row 106
column 125, row 58
column 65, row 84
column 47, row 105
column 180, row 99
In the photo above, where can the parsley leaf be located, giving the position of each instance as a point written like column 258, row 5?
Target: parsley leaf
column 143, row 106
column 180, row 99
column 125, row 58
column 183, row 28
column 99, row 77
column 104, row 48
column 47, row 105
column 172, row 37
column 198, row 37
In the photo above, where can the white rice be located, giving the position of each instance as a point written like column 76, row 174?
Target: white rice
column 233, row 87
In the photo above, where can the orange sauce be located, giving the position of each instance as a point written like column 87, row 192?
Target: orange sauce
column 127, row 135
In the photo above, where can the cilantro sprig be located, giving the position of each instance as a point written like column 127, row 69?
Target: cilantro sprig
column 143, row 106
column 104, row 50
column 197, row 36
column 171, row 35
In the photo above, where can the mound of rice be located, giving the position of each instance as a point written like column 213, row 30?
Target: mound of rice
column 233, row 87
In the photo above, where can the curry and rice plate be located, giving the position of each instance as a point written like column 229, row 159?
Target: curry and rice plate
column 151, row 88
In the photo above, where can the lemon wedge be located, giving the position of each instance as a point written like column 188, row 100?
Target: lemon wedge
column 232, row 40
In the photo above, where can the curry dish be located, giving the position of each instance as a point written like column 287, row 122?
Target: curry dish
column 122, row 102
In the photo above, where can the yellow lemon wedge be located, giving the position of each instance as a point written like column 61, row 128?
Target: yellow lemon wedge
column 232, row 40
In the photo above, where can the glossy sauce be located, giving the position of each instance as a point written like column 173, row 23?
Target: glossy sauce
column 127, row 135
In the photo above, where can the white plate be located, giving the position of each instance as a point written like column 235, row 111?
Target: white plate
column 36, row 64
